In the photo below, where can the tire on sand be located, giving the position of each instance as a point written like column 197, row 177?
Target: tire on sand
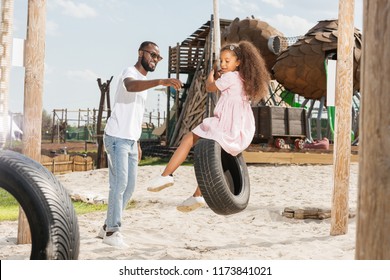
column 222, row 178
column 49, row 210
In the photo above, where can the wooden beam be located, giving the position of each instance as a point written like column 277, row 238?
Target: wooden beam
column 291, row 158
column 33, row 92
column 6, row 25
column 373, row 223
column 217, row 32
column 342, row 137
column 104, row 98
column 177, row 99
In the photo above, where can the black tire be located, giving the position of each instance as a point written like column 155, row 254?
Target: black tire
column 47, row 205
column 222, row 178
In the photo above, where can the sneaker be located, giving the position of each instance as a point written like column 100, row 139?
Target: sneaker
column 192, row 203
column 116, row 240
column 101, row 233
column 159, row 183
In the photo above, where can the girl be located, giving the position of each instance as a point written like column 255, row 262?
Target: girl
column 243, row 80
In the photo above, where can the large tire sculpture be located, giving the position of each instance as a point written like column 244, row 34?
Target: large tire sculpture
column 47, row 205
column 222, row 178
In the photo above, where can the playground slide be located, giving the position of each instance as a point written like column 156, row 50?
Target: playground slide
column 330, row 70
column 289, row 98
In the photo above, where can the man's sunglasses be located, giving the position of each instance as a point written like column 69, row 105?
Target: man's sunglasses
column 153, row 55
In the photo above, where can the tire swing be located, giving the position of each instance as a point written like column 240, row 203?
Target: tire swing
column 47, row 205
column 222, row 178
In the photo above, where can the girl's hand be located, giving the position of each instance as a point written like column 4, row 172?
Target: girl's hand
column 210, row 82
column 210, row 78
column 217, row 72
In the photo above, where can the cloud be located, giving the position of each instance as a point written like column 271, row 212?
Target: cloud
column 85, row 75
column 240, row 6
column 290, row 25
column 77, row 10
column 275, row 3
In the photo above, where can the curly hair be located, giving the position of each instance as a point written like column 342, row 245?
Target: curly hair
column 252, row 69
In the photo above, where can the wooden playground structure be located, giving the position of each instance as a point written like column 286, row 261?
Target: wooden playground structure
column 194, row 58
column 64, row 163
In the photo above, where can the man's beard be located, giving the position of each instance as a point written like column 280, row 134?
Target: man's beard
column 146, row 66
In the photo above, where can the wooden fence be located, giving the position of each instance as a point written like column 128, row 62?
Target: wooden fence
column 62, row 164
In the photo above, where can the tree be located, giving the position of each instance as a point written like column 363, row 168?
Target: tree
column 47, row 122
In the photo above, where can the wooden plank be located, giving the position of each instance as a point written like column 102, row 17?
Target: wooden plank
column 342, row 136
column 82, row 164
column 6, row 27
column 291, row 158
column 310, row 213
column 33, row 93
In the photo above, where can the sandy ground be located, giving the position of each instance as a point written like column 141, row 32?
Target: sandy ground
column 155, row 230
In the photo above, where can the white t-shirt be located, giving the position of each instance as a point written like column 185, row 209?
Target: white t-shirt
column 128, row 110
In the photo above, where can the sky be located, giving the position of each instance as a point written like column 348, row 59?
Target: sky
column 91, row 39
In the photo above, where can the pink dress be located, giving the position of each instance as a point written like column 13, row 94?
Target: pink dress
column 233, row 123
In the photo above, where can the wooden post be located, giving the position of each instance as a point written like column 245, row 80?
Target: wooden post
column 33, row 92
column 373, row 223
column 210, row 52
column 168, row 103
column 53, row 129
column 177, row 113
column 342, row 139
column 7, row 10
column 217, row 32
column 104, row 92
column 78, row 120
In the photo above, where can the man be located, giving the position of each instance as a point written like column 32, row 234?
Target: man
column 121, row 134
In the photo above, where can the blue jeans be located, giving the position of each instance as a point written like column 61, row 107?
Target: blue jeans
column 122, row 157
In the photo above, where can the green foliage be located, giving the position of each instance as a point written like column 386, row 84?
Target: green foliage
column 153, row 161
column 7, row 199
column 160, row 161
column 9, row 207
column 84, row 208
